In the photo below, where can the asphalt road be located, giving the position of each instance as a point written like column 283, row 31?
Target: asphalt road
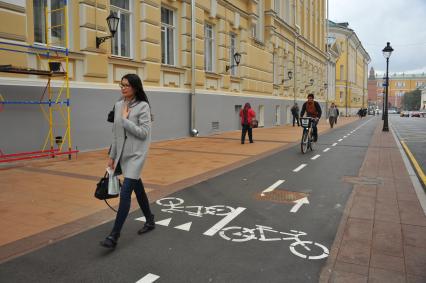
column 222, row 230
column 412, row 131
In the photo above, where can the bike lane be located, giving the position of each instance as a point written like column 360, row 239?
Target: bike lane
column 196, row 244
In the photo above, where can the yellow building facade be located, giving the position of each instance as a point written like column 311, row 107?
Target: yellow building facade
column 154, row 40
column 399, row 84
column 351, row 69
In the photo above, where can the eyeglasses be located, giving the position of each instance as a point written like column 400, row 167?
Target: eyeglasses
column 123, row 85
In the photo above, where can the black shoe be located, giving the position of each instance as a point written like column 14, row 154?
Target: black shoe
column 242, row 142
column 251, row 141
column 315, row 139
column 110, row 242
column 148, row 226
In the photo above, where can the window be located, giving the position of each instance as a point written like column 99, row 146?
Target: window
column 56, row 22
column 120, row 43
column 277, row 7
column 232, row 51
column 277, row 115
column 275, row 68
column 419, row 84
column 341, row 97
column 342, row 70
column 287, row 12
column 258, row 28
column 168, row 31
column 209, row 48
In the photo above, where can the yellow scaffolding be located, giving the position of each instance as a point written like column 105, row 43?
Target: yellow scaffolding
column 55, row 107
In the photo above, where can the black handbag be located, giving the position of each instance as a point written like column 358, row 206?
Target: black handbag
column 101, row 191
column 111, row 115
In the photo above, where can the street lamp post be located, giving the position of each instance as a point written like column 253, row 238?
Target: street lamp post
column 387, row 51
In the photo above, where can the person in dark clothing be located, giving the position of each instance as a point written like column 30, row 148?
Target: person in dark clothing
column 295, row 113
column 313, row 110
column 247, row 114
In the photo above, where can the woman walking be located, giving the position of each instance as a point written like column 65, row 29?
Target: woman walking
column 247, row 115
column 332, row 114
column 131, row 139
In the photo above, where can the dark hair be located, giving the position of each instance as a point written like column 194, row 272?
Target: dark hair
column 247, row 106
column 136, row 83
column 311, row 95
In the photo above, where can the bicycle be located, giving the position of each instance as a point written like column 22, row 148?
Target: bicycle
column 242, row 234
column 175, row 205
column 307, row 135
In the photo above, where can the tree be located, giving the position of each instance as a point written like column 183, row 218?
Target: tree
column 412, row 100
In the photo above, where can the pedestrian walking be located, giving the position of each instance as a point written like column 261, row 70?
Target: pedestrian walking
column 131, row 140
column 332, row 114
column 247, row 114
column 338, row 113
column 295, row 113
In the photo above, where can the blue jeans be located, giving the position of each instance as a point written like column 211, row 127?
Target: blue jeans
column 125, row 197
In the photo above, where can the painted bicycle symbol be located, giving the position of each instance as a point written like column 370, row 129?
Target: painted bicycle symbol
column 301, row 248
column 175, row 205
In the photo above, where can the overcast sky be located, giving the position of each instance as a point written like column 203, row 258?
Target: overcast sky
column 401, row 22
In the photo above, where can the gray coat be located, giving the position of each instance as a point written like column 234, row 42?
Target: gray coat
column 131, row 138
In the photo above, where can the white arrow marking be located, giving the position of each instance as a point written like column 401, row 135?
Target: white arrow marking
column 315, row 157
column 273, row 187
column 141, row 219
column 300, row 167
column 149, row 278
column 334, row 144
column 184, row 227
column 298, row 204
column 222, row 223
column 327, row 149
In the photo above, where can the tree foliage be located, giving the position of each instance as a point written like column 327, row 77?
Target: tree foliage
column 412, row 100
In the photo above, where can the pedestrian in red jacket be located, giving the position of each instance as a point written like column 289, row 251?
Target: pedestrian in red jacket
column 247, row 114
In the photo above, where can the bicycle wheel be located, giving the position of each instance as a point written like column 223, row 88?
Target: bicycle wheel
column 219, row 210
column 237, row 234
column 308, row 247
column 311, row 139
column 170, row 201
column 304, row 142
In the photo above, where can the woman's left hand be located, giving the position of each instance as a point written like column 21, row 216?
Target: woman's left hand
column 126, row 111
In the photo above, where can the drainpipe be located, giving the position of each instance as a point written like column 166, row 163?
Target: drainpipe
column 327, row 66
column 294, row 54
column 192, row 129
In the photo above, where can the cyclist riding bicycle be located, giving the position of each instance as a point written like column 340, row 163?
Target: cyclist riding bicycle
column 313, row 110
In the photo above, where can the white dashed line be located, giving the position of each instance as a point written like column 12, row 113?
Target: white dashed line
column 273, row 187
column 315, row 157
column 334, row 144
column 300, row 167
column 345, row 137
column 327, row 149
column 149, row 278
column 340, row 140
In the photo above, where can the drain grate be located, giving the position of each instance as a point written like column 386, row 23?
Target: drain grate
column 363, row 180
column 280, row 196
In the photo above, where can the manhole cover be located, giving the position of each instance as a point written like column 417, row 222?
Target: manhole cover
column 280, row 196
column 363, row 180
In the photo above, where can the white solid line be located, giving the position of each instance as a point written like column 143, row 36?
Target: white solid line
column 300, row 167
column 149, row 278
column 222, row 223
column 340, row 140
column 315, row 157
column 327, row 149
column 273, row 187
column 334, row 144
